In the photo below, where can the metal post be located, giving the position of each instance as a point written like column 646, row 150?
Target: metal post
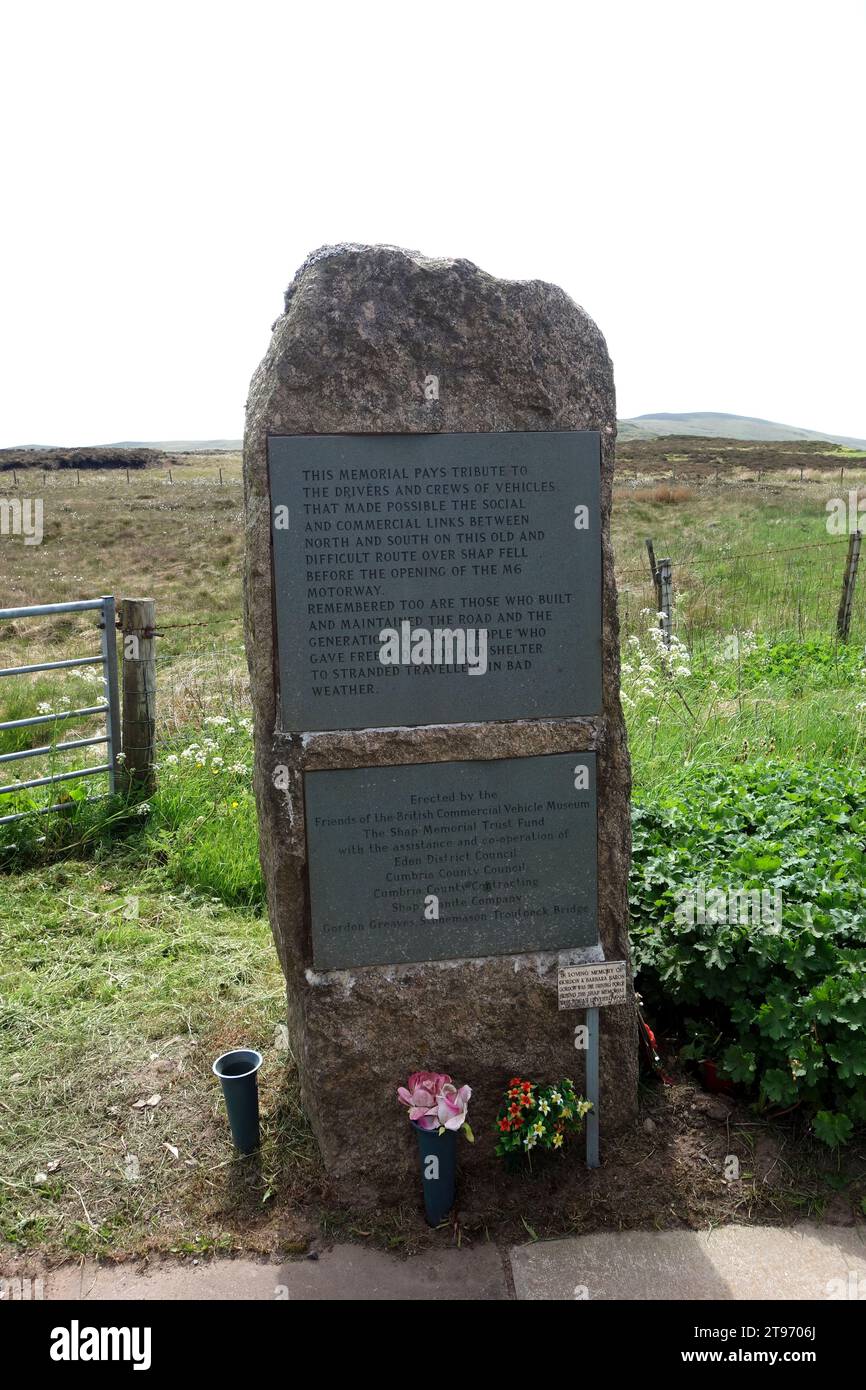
column 109, row 670
column 665, row 590
column 592, row 1041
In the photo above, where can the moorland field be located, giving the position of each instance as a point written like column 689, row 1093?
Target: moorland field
column 135, row 947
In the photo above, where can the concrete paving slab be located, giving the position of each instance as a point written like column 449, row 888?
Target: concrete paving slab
column 348, row 1272
column 806, row 1262
column 749, row 1262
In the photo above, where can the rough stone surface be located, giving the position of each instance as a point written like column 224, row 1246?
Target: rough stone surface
column 362, row 328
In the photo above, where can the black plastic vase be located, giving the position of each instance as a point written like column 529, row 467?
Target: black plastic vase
column 238, row 1074
column 438, row 1155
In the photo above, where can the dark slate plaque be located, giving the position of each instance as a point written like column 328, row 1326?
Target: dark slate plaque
column 504, row 850
column 493, row 534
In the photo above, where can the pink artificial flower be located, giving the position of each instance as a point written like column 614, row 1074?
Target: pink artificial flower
column 451, row 1106
column 434, row 1102
column 425, row 1119
column 432, row 1081
column 421, row 1097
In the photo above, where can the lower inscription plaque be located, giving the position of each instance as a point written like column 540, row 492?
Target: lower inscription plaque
column 434, row 861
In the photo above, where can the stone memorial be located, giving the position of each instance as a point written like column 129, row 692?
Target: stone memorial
column 441, row 767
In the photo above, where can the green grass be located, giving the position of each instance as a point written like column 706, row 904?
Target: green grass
column 741, row 697
column 202, row 819
column 744, row 558
column 117, row 986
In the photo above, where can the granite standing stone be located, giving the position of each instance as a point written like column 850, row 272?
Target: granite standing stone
column 377, row 340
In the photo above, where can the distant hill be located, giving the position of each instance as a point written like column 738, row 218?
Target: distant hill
column 709, row 424
column 706, row 424
column 184, row 446
column 716, row 425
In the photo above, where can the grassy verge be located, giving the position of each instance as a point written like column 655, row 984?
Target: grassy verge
column 118, row 989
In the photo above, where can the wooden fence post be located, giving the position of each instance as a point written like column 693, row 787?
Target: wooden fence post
column 650, row 550
column 666, row 594
column 843, row 618
column 137, row 621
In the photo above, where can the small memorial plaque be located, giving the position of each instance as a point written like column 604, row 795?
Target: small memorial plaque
column 437, row 861
column 592, row 986
column 436, row 578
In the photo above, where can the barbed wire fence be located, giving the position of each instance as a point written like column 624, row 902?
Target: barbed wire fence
column 785, row 593
column 201, row 671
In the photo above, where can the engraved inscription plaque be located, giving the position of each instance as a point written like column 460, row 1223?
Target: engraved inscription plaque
column 434, row 861
column 490, row 540
column 592, row 986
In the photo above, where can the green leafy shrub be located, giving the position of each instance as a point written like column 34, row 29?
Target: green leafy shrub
column 787, row 996
column 807, row 663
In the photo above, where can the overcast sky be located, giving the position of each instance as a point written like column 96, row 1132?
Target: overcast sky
column 692, row 174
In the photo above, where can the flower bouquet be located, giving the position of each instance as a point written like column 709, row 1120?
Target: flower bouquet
column 437, row 1110
column 538, row 1116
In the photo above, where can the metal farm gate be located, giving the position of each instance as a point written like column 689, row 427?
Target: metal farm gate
column 110, row 707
